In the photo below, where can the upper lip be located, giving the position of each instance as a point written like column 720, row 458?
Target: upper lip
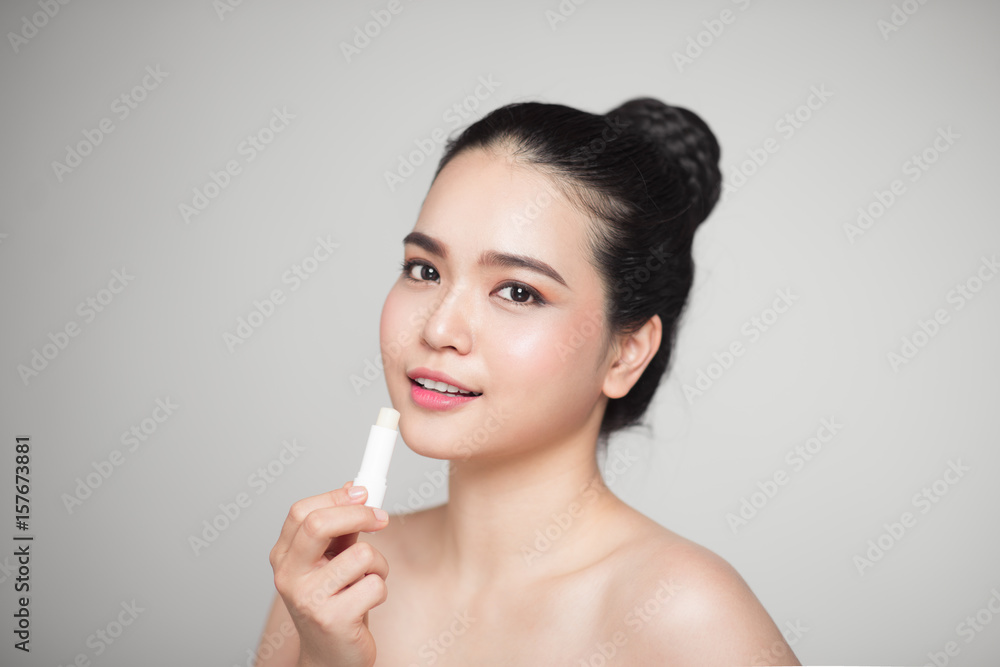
column 422, row 372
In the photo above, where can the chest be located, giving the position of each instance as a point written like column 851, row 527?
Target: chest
column 552, row 625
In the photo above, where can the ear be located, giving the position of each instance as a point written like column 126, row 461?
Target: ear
column 634, row 353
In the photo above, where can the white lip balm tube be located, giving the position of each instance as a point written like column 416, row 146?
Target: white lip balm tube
column 378, row 453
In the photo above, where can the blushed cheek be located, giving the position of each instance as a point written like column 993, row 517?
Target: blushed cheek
column 394, row 334
column 553, row 358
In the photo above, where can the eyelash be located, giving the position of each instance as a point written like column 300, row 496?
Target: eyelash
column 408, row 265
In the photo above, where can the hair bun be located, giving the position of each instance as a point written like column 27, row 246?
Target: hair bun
column 683, row 138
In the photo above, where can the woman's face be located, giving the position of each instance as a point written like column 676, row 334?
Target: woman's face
column 530, row 343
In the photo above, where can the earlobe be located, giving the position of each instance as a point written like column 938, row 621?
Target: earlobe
column 636, row 351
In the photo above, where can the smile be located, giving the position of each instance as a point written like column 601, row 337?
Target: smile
column 443, row 387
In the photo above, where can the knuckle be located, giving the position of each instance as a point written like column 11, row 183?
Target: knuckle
column 313, row 524
column 298, row 511
column 364, row 553
column 280, row 582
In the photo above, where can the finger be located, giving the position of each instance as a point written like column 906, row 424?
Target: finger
column 322, row 526
column 302, row 508
column 346, row 570
column 361, row 597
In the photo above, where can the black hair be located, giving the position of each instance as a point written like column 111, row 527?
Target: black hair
column 647, row 175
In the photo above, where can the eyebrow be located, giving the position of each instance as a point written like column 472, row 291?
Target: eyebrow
column 488, row 258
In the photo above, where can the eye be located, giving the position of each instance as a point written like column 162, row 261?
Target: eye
column 519, row 292
column 425, row 269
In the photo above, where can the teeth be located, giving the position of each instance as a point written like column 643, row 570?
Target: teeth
column 443, row 387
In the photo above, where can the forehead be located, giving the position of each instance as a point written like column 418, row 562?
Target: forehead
column 483, row 201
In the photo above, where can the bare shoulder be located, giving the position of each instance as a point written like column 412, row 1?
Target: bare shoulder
column 680, row 603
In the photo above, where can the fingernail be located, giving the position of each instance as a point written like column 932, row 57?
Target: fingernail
column 380, row 514
column 356, row 492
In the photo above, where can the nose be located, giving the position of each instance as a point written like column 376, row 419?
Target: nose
column 447, row 321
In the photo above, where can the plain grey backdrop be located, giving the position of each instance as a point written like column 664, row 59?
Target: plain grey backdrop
column 166, row 166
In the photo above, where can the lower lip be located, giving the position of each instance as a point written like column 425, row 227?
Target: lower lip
column 435, row 400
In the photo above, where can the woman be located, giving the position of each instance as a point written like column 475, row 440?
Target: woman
column 543, row 282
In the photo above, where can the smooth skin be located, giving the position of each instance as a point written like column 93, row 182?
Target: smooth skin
column 532, row 560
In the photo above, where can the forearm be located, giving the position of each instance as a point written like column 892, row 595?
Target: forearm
column 279, row 641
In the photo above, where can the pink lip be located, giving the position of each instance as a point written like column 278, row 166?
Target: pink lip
column 434, row 400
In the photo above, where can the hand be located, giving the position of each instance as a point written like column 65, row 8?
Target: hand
column 328, row 580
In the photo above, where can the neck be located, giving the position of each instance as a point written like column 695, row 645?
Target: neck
column 525, row 515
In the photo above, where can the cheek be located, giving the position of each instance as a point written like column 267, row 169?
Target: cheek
column 558, row 353
column 395, row 333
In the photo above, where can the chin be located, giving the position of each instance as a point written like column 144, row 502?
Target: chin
column 434, row 437
column 448, row 436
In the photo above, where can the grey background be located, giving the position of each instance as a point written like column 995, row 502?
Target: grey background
column 323, row 175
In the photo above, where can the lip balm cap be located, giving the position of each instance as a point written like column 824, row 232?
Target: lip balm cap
column 388, row 418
